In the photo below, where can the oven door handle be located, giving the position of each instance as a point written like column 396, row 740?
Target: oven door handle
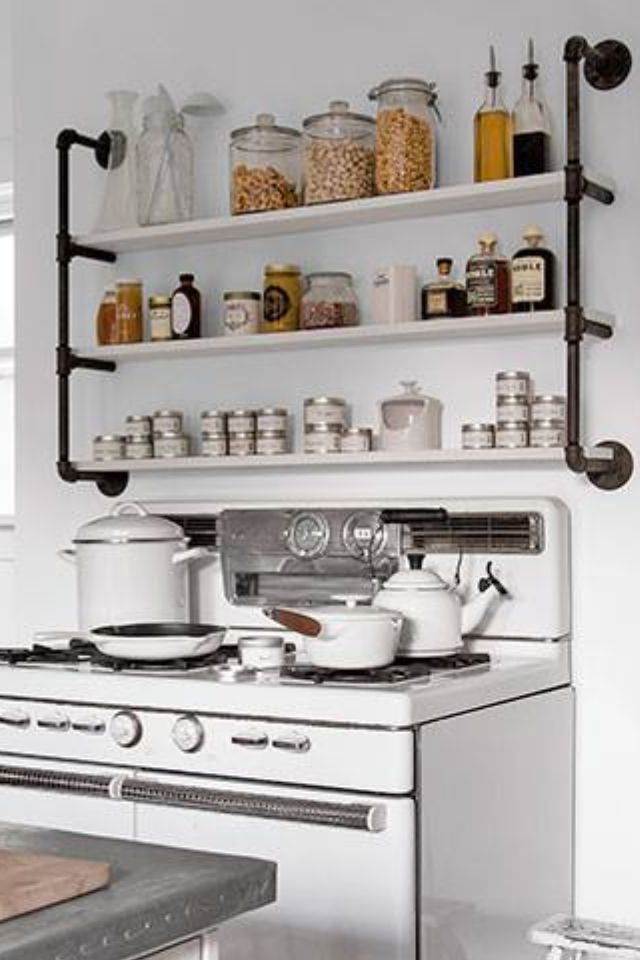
column 371, row 818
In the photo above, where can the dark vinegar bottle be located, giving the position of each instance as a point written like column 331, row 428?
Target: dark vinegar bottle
column 533, row 274
column 185, row 309
column 531, row 126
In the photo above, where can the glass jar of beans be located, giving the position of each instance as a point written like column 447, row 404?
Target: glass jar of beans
column 328, row 301
column 405, row 135
column 265, row 166
column 338, row 155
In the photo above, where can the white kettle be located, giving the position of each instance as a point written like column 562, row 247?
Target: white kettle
column 434, row 617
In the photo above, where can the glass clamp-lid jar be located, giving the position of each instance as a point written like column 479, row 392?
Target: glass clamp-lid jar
column 265, row 166
column 338, row 155
column 329, row 301
column 405, row 135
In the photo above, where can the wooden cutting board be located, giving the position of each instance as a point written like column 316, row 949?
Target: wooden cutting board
column 31, row 881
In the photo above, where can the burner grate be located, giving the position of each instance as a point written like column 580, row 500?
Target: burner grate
column 403, row 669
column 81, row 651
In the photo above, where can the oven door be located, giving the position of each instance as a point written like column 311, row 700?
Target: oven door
column 63, row 796
column 346, row 863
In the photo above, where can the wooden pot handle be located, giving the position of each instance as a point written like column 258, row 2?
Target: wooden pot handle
column 298, row 622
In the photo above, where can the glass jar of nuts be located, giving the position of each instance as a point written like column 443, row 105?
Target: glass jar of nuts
column 265, row 166
column 338, row 155
column 405, row 135
column 328, row 301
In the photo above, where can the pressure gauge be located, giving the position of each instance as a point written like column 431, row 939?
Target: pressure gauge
column 188, row 733
column 125, row 728
column 363, row 535
column 308, row 535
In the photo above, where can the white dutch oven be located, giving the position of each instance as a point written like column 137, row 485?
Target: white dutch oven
column 132, row 567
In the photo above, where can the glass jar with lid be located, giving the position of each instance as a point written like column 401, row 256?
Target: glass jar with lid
column 265, row 166
column 338, row 155
column 329, row 300
column 405, row 135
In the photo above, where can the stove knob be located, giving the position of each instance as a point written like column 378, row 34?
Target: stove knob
column 188, row 733
column 125, row 728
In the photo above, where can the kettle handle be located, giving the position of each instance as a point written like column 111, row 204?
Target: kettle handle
column 194, row 553
column 129, row 506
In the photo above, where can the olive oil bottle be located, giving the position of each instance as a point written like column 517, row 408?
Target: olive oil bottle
column 493, row 157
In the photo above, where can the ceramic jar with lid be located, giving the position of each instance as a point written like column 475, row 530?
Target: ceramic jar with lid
column 329, row 301
column 338, row 155
column 410, row 420
column 405, row 135
column 265, row 166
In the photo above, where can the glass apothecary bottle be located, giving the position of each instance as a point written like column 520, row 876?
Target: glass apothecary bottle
column 488, row 279
column 531, row 125
column 443, row 297
column 118, row 209
column 164, row 158
column 533, row 274
column 338, row 150
column 266, row 162
column 492, row 131
column 329, row 301
column 405, row 135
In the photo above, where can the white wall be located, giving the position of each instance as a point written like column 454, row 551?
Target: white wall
column 292, row 58
column 6, row 93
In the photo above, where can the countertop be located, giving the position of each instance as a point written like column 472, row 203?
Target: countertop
column 158, row 896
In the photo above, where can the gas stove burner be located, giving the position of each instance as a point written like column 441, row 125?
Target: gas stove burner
column 82, row 652
column 228, row 672
column 400, row 671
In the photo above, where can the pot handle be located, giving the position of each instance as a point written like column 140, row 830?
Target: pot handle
column 292, row 620
column 68, row 555
column 129, row 506
column 194, row 553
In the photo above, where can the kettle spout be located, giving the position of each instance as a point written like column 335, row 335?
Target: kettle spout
column 474, row 611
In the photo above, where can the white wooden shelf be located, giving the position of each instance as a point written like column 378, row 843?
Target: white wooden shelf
column 379, row 459
column 466, row 198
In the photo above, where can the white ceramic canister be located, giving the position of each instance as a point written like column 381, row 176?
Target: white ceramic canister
column 167, row 421
column 108, row 446
column 241, row 313
column 139, row 448
column 325, row 411
column 322, row 438
column 213, row 421
column 410, row 420
column 513, row 383
column 241, row 421
column 478, row 436
column 548, row 406
column 272, row 418
column 262, row 652
column 395, row 294
column 356, row 440
column 170, row 444
column 512, row 408
column 270, row 442
column 242, row 443
column 214, row 444
column 137, row 427
column 548, row 433
column 512, row 435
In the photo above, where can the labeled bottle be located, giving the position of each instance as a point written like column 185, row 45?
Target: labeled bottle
column 185, row 309
column 488, row 279
column 443, row 297
column 531, row 125
column 492, row 131
column 533, row 274
column 106, row 319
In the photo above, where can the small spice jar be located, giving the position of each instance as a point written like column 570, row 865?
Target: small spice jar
column 241, row 421
column 214, row 444
column 512, row 408
column 106, row 319
column 170, row 444
column 271, row 442
column 265, row 166
column 322, row 438
column 338, row 155
column 242, row 444
column 241, row 312
column 272, row 418
column 548, row 406
column 108, row 446
column 548, row 433
column 167, row 421
column 512, row 434
column 478, row 436
column 328, row 301
column 213, row 421
column 129, row 311
column 513, row 383
column 282, row 298
column 263, row 652
column 405, row 135
column 356, row 440
column 137, row 427
column 160, row 318
column 139, row 448
column 325, row 411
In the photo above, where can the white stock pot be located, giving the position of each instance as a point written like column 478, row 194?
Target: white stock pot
column 132, row 567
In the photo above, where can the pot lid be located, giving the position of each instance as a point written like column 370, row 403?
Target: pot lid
column 415, row 580
column 129, row 522
column 350, row 611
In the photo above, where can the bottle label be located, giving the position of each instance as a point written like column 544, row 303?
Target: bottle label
column 180, row 313
column 160, row 322
column 482, row 285
column 276, row 303
column 527, row 279
column 437, row 302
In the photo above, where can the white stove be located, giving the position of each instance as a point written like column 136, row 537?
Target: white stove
column 415, row 817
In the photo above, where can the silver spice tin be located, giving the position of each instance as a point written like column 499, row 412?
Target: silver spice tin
column 213, row 421
column 548, row 433
column 356, row 440
column 214, row 444
column 325, row 411
column 137, row 427
column 548, row 406
column 108, row 446
column 263, row 652
column 272, row 418
column 242, row 443
column 167, row 421
column 513, row 383
column 512, row 434
column 241, row 421
column 139, row 448
column 478, row 436
column 170, row 444
column 270, row 442
column 512, row 408
column 322, row 438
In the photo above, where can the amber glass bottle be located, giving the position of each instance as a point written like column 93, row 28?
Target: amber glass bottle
column 488, row 279
column 185, row 309
column 533, row 274
column 493, row 156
